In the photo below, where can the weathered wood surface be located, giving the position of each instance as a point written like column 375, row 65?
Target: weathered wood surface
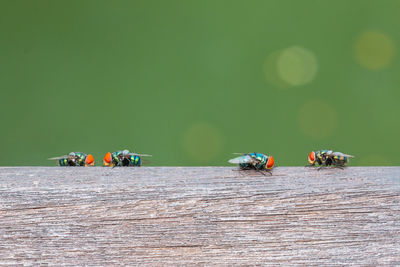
column 205, row 216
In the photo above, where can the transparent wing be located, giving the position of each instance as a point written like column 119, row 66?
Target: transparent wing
column 242, row 159
column 146, row 162
column 58, row 158
column 328, row 152
column 125, row 152
column 340, row 154
column 140, row 155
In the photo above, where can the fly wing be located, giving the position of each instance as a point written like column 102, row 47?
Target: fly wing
column 125, row 152
column 241, row 159
column 140, row 155
column 340, row 154
column 58, row 158
column 327, row 152
column 146, row 162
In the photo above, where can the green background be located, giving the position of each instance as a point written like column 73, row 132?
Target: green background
column 186, row 80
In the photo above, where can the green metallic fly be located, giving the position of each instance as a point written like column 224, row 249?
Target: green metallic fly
column 255, row 161
column 325, row 158
column 123, row 158
column 75, row 159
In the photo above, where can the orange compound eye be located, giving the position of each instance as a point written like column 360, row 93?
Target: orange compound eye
column 270, row 162
column 89, row 160
column 107, row 159
column 311, row 157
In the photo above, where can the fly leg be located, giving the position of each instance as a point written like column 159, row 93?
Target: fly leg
column 338, row 164
column 269, row 172
column 115, row 165
column 325, row 163
column 260, row 171
column 339, row 167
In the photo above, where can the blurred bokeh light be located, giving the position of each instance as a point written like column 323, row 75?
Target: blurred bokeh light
column 374, row 50
column 297, row 66
column 290, row 67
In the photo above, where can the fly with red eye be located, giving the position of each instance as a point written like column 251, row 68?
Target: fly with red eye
column 326, row 158
column 75, row 159
column 254, row 161
column 123, row 158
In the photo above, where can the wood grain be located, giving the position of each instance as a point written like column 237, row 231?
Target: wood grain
column 199, row 216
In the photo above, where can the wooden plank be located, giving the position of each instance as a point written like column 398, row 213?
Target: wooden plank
column 202, row 216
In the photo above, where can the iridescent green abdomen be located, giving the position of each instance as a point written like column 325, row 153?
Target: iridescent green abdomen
column 135, row 161
column 63, row 162
column 340, row 160
column 262, row 159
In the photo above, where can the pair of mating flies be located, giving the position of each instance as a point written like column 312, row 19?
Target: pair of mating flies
column 261, row 162
column 117, row 158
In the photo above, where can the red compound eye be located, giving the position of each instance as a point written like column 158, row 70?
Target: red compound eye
column 311, row 157
column 89, row 159
column 270, row 162
column 107, row 158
